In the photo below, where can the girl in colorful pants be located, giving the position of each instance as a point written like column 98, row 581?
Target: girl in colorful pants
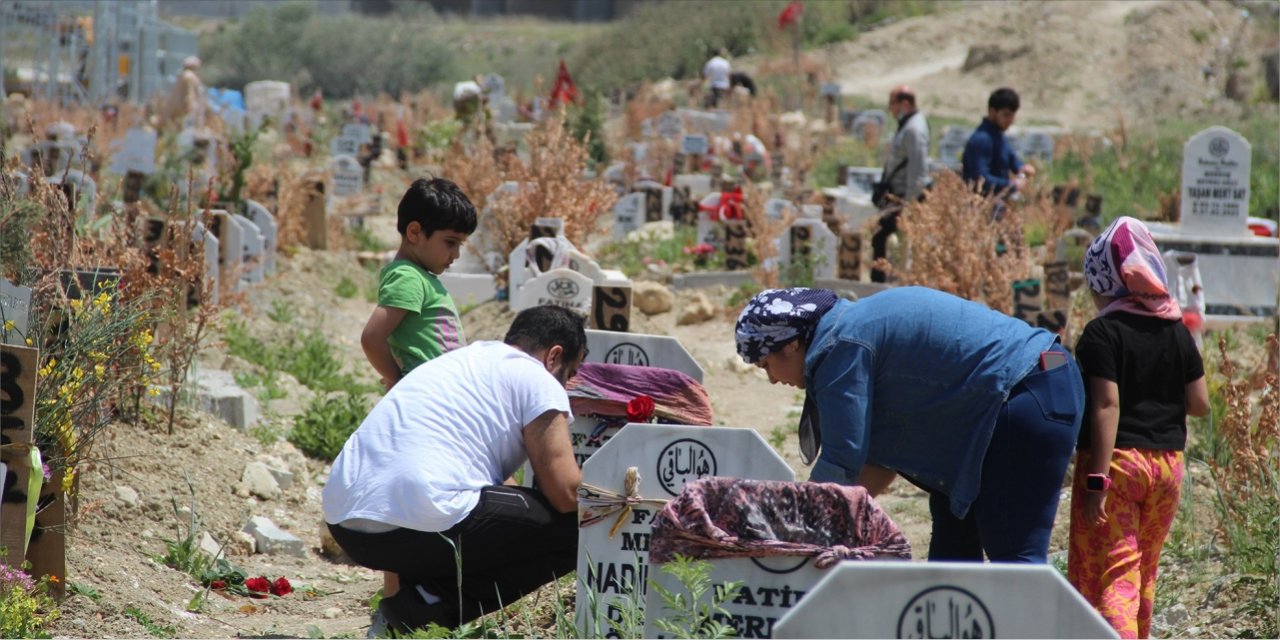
column 1143, row 376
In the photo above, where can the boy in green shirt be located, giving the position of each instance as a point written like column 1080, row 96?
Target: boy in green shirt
column 415, row 319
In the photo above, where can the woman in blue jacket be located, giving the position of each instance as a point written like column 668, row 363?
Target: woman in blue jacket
column 978, row 408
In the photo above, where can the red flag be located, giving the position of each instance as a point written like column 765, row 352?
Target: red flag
column 790, row 14
column 564, row 91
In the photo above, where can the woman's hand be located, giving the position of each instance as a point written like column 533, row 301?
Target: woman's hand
column 1095, row 507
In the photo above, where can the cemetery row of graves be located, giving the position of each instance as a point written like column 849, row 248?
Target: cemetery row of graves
column 134, row 245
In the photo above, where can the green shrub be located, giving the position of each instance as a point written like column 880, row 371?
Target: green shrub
column 308, row 357
column 152, row 627
column 25, row 606
column 346, row 288
column 326, row 424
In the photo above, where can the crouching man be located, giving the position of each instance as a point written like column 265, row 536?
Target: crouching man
column 422, row 478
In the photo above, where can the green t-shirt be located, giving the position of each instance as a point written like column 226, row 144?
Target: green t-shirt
column 431, row 327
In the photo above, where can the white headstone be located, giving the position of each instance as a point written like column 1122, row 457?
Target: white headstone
column 775, row 208
column 943, row 600
column 641, row 350
column 1215, row 183
column 829, row 90
column 667, row 456
column 344, row 146
column 558, row 287
column 951, row 146
column 812, row 211
column 235, row 121
column 15, row 306
column 824, row 246
column 771, row 588
column 708, row 230
column 270, row 233
column 699, row 184
column 693, row 144
column 212, row 252
column 468, row 289
column 136, row 151
column 1038, row 145
column 348, row 176
column 669, row 125
column 231, row 245
column 628, row 214
column 267, row 98
column 356, row 131
column 254, row 248
column 871, row 116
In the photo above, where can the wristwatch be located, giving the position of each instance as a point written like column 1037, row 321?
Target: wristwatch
column 1097, row 482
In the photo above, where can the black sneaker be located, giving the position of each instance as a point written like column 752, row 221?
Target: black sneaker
column 407, row 611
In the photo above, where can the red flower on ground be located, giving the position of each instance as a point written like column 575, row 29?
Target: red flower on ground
column 640, row 409
column 281, row 587
column 217, row 584
column 258, row 587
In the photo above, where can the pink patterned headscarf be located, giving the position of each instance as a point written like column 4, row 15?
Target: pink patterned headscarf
column 1124, row 264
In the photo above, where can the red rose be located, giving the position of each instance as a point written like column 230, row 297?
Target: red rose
column 640, row 409
column 281, row 587
column 258, row 587
column 217, row 584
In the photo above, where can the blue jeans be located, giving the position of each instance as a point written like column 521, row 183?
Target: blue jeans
column 1022, row 474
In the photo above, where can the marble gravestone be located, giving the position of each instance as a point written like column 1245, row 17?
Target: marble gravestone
column 942, row 600
column 951, row 146
column 254, row 244
column 266, row 224
column 136, row 151
column 862, row 179
column 15, row 307
column 810, row 238
column 694, row 144
column 641, row 350
column 80, row 189
column 628, row 214
column 666, row 457
column 1215, row 183
column 231, row 248
column 348, row 176
column 559, row 287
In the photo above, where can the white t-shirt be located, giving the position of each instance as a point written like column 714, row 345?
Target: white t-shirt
column 452, row 426
column 465, row 89
column 717, row 72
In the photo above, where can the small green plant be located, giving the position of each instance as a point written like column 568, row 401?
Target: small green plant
column 778, row 437
column 77, row 589
column 697, row 611
column 366, row 241
column 281, row 312
column 147, row 623
column 183, row 552
column 346, row 289
column 268, row 431
column 25, row 606
column 308, row 357
column 326, row 424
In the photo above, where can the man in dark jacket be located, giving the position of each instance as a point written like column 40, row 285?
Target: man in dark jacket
column 989, row 163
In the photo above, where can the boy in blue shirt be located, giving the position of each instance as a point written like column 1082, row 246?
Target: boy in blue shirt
column 989, row 162
column 416, row 319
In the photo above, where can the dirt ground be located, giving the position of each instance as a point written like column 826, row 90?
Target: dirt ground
column 1079, row 52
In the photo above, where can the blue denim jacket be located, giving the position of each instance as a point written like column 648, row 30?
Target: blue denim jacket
column 913, row 379
column 987, row 155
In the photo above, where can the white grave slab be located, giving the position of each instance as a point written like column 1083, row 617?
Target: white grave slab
column 943, row 600
column 15, row 306
column 824, row 246
column 951, row 146
column 136, row 151
column 348, row 176
column 772, row 587
column 670, row 125
column 357, row 131
column 270, row 231
column 231, row 244
column 254, row 247
column 55, row 154
column 667, row 456
column 469, row 289
column 212, row 250
column 1241, row 275
column 699, row 184
column 267, row 97
column 234, row 120
column 344, row 146
column 1036, row 144
column 775, row 208
column 628, row 214
column 1215, row 183
column 694, row 144
column 871, row 116
column 559, row 287
column 641, row 350
column 862, row 179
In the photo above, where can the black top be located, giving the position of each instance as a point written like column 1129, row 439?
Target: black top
column 1151, row 360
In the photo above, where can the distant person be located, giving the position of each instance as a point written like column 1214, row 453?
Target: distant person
column 187, row 96
column 989, row 163
column 468, row 100
column 741, row 79
column 906, row 170
column 418, row 488
column 716, row 73
column 1143, row 376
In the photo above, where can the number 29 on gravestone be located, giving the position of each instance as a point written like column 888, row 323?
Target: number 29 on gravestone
column 1028, row 299
column 850, row 258
column 611, row 308
column 735, row 245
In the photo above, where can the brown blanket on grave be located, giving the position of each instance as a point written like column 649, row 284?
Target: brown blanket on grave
column 733, row 518
column 605, row 389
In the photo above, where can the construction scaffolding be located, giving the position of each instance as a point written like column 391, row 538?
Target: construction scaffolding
column 89, row 51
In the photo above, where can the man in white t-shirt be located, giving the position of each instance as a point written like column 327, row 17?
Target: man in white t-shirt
column 716, row 72
column 425, row 472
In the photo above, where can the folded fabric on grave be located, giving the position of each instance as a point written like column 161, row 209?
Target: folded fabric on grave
column 738, row 518
column 605, row 389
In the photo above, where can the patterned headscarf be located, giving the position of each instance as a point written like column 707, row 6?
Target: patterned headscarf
column 1124, row 264
column 777, row 316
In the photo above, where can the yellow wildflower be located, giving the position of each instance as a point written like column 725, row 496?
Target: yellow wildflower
column 153, row 391
column 29, row 342
column 76, row 305
column 10, row 325
column 99, row 371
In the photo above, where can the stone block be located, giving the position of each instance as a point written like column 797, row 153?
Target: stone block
column 272, row 540
column 219, row 395
column 258, row 479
